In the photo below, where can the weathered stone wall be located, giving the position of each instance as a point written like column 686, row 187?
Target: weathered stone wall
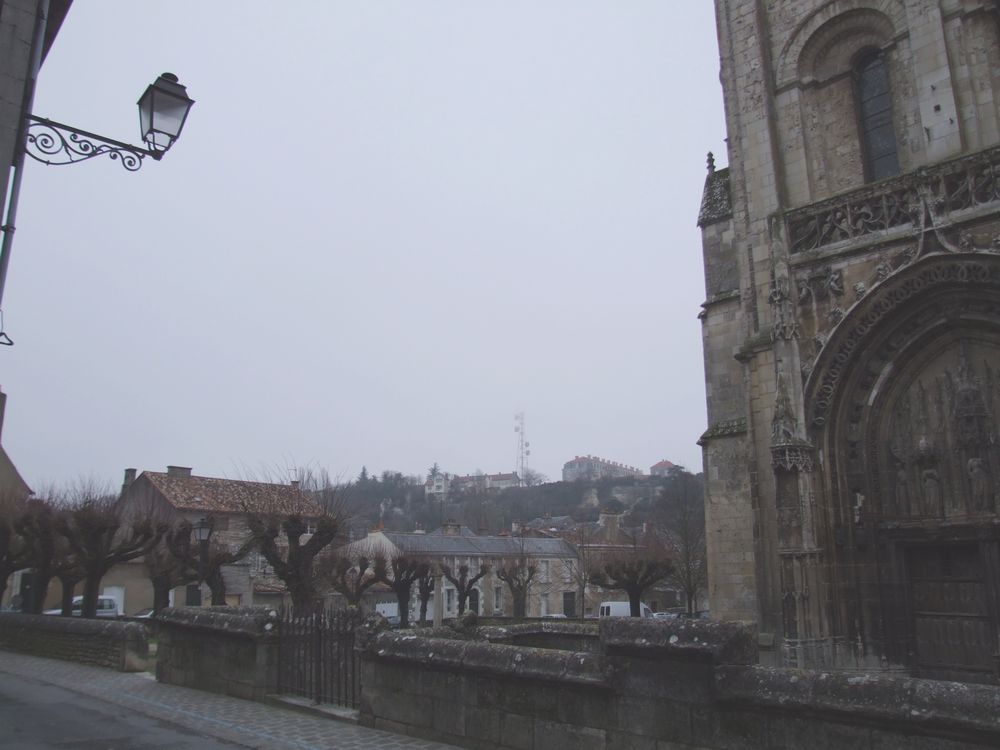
column 228, row 650
column 653, row 685
column 105, row 643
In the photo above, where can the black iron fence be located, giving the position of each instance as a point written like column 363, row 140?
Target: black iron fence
column 316, row 657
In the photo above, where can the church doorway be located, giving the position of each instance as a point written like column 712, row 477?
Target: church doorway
column 953, row 613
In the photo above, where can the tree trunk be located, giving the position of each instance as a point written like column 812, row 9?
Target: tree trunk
column 91, row 590
column 634, row 599
column 520, row 602
column 303, row 598
column 40, row 590
column 463, row 599
column 403, row 601
column 217, row 585
column 68, row 591
column 423, row 609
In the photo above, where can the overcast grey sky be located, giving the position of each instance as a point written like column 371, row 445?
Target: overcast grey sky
column 388, row 227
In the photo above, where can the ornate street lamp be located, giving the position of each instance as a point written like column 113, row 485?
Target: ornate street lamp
column 202, row 532
column 163, row 109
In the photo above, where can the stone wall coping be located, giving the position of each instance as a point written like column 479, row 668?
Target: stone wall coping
column 865, row 697
column 703, row 640
column 493, row 658
column 255, row 622
column 76, row 625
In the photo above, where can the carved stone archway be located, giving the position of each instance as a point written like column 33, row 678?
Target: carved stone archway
column 903, row 406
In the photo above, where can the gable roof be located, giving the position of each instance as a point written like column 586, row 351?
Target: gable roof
column 209, row 494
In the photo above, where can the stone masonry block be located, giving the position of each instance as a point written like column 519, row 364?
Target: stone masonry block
column 449, row 717
column 557, row 736
column 517, row 731
column 482, row 724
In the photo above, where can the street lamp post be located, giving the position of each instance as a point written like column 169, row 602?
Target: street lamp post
column 202, row 533
column 163, row 110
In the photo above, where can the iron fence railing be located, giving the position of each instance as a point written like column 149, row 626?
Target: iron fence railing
column 317, row 658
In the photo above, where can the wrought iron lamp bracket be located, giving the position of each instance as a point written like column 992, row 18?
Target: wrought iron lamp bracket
column 54, row 143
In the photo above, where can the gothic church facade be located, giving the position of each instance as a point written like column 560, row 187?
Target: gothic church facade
column 851, row 334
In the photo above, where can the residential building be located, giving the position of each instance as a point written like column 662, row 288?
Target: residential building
column 592, row 468
column 484, row 482
column 552, row 591
column 662, row 468
column 176, row 495
column 852, row 334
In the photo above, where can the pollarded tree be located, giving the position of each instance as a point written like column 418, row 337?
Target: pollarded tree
column 279, row 538
column 459, row 578
column 100, row 538
column 37, row 528
column 352, row 578
column 190, row 567
column 166, row 569
column 400, row 575
column 425, row 588
column 518, row 571
column 633, row 571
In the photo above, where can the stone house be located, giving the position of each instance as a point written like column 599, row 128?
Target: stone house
column 552, row 592
column 176, row 495
column 852, row 334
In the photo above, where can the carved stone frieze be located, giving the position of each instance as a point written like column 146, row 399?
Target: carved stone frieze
column 930, row 195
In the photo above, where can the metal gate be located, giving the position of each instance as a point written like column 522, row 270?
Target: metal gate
column 316, row 657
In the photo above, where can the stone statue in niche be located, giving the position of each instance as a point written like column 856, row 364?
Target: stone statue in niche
column 902, row 490
column 783, row 421
column 931, row 481
column 980, row 484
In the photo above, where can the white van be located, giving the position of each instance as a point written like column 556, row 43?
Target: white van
column 623, row 609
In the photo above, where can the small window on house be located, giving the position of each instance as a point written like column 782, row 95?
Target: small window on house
column 498, row 599
column 878, row 137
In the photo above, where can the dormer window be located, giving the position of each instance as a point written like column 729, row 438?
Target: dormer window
column 875, row 117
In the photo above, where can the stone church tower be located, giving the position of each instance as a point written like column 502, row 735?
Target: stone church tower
column 852, row 333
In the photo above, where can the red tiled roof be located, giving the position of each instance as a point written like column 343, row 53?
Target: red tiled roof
column 209, row 494
column 664, row 464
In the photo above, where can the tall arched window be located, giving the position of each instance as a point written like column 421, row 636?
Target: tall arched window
column 875, row 109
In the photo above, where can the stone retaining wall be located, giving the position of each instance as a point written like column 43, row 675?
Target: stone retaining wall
column 227, row 650
column 105, row 643
column 654, row 685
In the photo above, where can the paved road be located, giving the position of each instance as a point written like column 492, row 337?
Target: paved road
column 46, row 703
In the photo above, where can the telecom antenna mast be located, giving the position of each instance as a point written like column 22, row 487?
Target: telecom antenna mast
column 523, row 448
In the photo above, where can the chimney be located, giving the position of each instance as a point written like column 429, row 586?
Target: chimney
column 295, row 484
column 129, row 478
column 451, row 528
column 178, row 471
column 515, row 527
column 418, row 528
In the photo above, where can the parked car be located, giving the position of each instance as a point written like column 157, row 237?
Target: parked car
column 143, row 614
column 623, row 609
column 106, row 607
column 666, row 615
column 554, row 616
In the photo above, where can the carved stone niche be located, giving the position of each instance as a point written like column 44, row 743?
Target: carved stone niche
column 793, row 455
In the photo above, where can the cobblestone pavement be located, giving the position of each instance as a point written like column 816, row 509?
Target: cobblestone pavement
column 241, row 722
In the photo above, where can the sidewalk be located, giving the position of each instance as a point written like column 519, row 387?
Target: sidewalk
column 229, row 719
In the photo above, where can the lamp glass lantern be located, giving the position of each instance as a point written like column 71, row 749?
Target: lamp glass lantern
column 163, row 108
column 202, row 530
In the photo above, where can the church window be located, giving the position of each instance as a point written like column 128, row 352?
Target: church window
column 875, row 109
